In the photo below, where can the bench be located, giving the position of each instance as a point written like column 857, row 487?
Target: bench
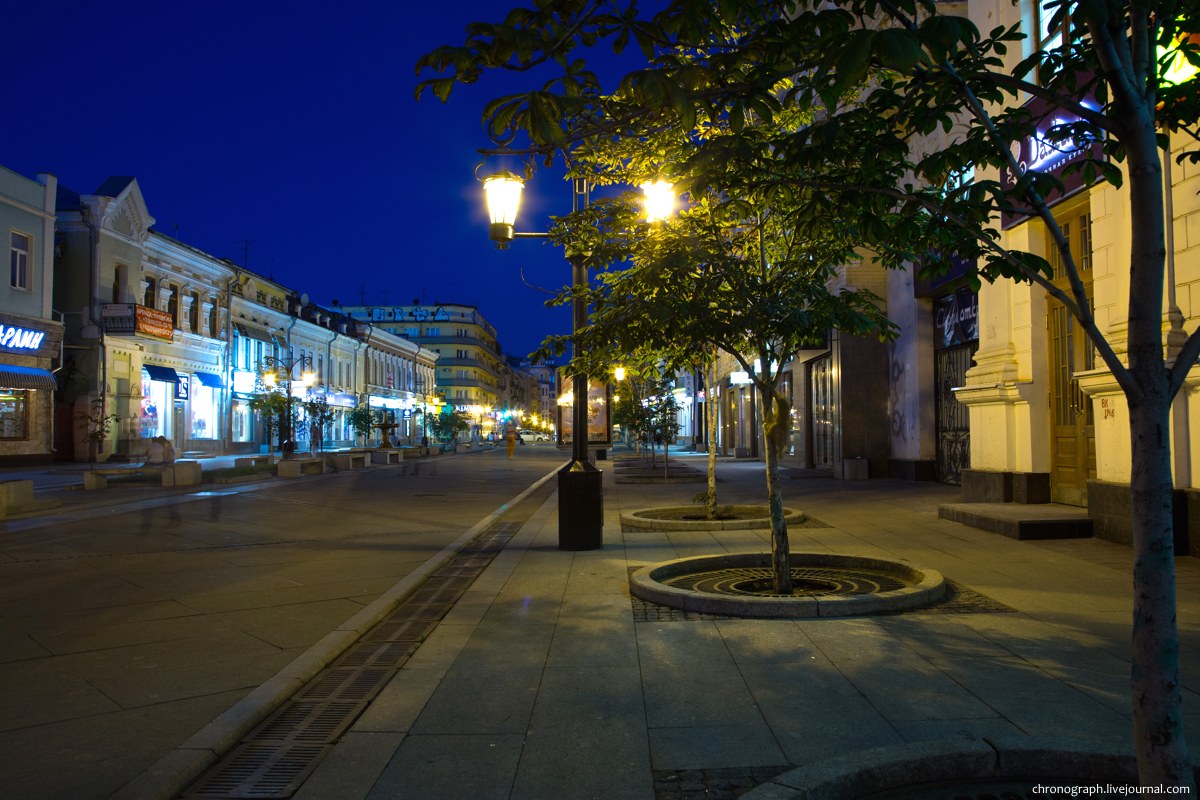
column 254, row 461
column 98, row 478
column 180, row 473
column 387, row 456
column 295, row 467
column 344, row 462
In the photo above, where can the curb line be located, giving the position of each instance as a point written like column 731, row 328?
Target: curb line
column 175, row 771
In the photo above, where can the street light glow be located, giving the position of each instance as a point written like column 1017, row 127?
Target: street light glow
column 503, row 193
column 658, row 199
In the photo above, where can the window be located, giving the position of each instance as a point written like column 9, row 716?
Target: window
column 119, row 273
column 214, row 321
column 173, row 306
column 14, row 413
column 149, row 300
column 1050, row 35
column 461, row 354
column 18, row 264
column 194, row 313
column 433, row 331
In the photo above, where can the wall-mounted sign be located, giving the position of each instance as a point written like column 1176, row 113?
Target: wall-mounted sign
column 138, row 320
column 16, row 338
column 956, row 318
column 1039, row 154
column 181, row 389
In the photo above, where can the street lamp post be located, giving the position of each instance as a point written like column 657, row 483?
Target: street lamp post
column 282, row 369
column 424, row 412
column 580, row 483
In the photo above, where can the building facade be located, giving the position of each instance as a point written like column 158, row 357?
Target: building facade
column 145, row 318
column 30, row 338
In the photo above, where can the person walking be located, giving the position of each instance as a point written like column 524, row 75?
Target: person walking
column 510, row 440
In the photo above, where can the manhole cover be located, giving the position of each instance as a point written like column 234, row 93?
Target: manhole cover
column 806, row 581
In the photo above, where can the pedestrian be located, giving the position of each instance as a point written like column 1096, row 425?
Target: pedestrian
column 510, row 440
column 154, row 451
column 168, row 450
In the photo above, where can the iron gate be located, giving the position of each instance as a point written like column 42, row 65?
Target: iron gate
column 953, row 422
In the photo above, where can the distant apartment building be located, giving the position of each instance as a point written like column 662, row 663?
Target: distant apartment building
column 471, row 372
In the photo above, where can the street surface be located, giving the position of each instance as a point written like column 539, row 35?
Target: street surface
column 132, row 617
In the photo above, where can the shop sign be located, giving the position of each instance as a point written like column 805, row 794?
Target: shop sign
column 20, row 338
column 1038, row 153
column 956, row 318
column 154, row 324
column 181, row 388
column 139, row 320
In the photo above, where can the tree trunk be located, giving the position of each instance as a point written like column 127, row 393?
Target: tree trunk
column 1156, row 692
column 1155, row 681
column 774, row 417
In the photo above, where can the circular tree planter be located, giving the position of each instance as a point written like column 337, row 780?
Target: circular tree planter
column 825, row 585
column 692, row 518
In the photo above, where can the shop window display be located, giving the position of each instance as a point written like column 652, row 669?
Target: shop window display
column 14, row 413
column 204, row 411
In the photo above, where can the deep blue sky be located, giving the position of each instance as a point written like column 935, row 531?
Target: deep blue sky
column 291, row 125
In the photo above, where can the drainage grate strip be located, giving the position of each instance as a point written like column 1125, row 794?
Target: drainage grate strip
column 342, row 683
column 308, row 721
column 377, row 654
column 260, row 771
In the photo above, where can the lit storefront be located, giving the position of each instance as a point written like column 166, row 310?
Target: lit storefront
column 183, row 407
column 27, row 388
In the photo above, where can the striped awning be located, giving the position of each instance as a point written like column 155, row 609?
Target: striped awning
column 14, row 377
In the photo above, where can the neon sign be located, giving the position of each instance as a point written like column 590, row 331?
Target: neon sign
column 20, row 338
column 1039, row 153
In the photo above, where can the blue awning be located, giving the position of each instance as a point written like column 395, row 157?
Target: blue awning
column 164, row 374
column 210, row 379
column 14, row 377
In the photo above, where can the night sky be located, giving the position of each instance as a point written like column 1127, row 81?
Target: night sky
column 285, row 137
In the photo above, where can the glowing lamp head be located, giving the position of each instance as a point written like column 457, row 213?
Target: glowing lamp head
column 270, row 378
column 503, row 194
column 619, row 373
column 658, row 199
column 309, row 377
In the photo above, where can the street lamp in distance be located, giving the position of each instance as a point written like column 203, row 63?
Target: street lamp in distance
column 276, row 370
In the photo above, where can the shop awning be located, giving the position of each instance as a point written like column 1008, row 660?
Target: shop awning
column 14, row 377
column 210, row 379
column 250, row 332
column 164, row 374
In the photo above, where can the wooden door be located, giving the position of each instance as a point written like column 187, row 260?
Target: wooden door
column 1073, row 432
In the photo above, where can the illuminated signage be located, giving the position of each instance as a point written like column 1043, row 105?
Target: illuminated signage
column 131, row 318
column 20, row 338
column 1039, row 153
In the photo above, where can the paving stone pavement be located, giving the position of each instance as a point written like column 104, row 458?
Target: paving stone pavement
column 546, row 680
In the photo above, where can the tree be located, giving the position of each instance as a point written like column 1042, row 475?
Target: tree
column 96, row 426
column 883, row 77
column 273, row 406
column 362, row 420
column 319, row 416
column 450, row 424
